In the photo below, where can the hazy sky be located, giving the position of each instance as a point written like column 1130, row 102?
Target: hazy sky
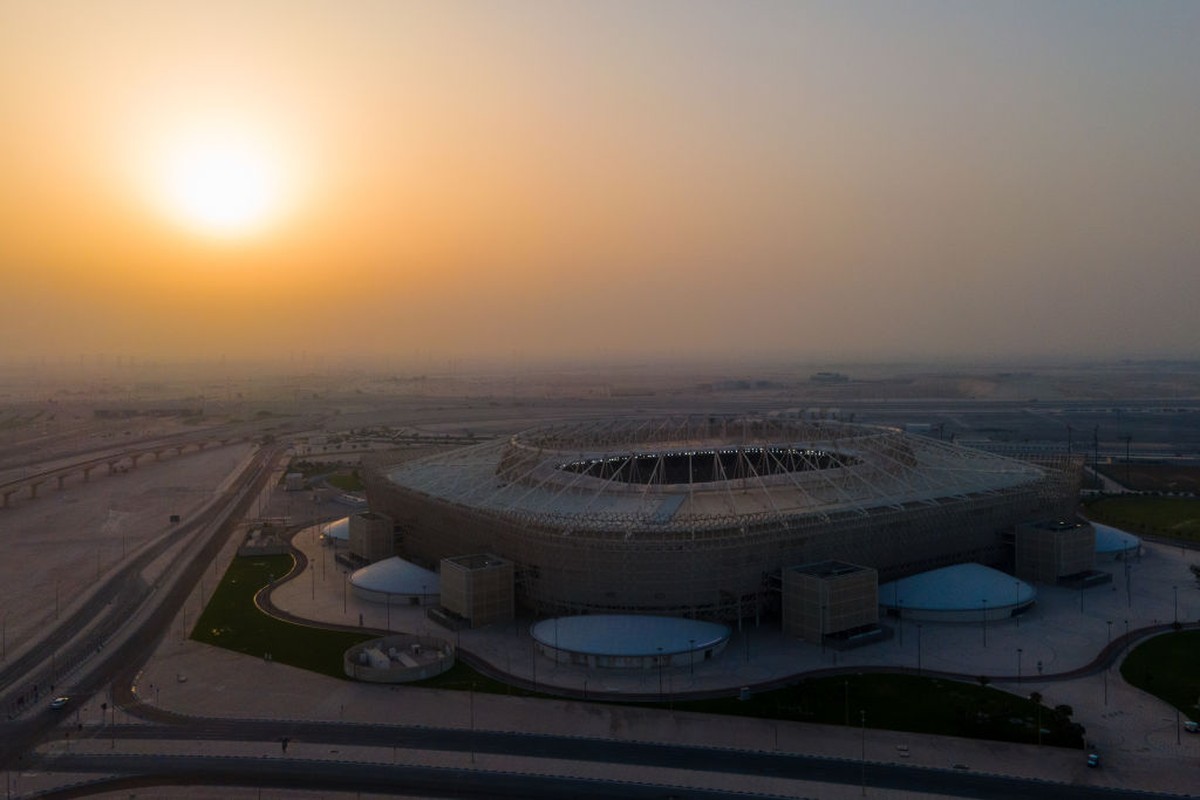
column 599, row 180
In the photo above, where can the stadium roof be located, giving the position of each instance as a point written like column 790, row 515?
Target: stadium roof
column 961, row 587
column 697, row 472
column 628, row 634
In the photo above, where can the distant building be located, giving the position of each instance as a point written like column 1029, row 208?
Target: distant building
column 829, row 377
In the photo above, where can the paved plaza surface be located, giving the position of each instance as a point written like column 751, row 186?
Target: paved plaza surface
column 1066, row 629
column 1136, row 732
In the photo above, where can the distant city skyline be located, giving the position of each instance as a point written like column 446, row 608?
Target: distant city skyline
column 599, row 182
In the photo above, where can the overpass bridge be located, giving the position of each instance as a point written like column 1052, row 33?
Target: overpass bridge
column 114, row 462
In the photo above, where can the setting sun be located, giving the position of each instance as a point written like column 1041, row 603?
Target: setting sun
column 222, row 185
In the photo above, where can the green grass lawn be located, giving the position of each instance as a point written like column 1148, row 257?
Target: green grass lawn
column 231, row 620
column 1176, row 517
column 1168, row 667
column 907, row 703
column 896, row 702
column 347, row 482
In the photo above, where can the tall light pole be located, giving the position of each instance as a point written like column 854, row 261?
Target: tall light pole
column 918, row 648
column 821, row 629
column 863, row 762
column 985, row 623
column 660, row 666
column 1176, row 588
column 1128, row 587
column 1019, row 651
column 1017, row 601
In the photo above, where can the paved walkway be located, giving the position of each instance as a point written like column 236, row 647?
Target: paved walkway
column 1066, row 630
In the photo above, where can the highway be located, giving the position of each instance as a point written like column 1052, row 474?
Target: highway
column 98, row 640
column 285, row 772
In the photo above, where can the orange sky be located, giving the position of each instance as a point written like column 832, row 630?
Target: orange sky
column 607, row 180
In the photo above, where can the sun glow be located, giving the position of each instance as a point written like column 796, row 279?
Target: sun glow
column 225, row 184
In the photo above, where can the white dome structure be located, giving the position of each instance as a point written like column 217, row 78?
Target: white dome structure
column 396, row 580
column 1113, row 543
column 960, row 593
column 337, row 532
column 629, row 640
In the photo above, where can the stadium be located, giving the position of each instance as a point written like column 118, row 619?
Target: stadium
column 698, row 516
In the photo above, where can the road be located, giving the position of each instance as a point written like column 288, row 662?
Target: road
column 284, row 772
column 98, row 638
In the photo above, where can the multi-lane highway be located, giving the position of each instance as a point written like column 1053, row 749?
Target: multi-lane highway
column 123, row 620
column 287, row 772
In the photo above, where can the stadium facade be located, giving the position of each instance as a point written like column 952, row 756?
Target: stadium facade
column 698, row 515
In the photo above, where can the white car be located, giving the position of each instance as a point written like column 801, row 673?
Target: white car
column 60, row 702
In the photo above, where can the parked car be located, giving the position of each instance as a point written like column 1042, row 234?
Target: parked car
column 60, row 702
column 1093, row 759
column 1191, row 726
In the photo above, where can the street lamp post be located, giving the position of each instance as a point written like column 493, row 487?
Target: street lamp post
column 1128, row 589
column 918, row 648
column 1176, row 588
column 985, row 623
column 821, row 629
column 1017, row 602
column 1019, row 651
column 660, row 666
column 863, row 761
